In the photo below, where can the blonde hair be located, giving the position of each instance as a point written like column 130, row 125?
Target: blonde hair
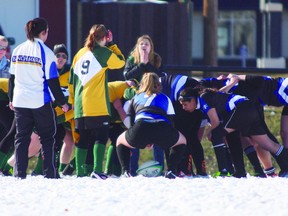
column 154, row 58
column 96, row 34
column 149, row 84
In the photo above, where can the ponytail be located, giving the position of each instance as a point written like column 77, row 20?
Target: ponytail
column 35, row 27
column 96, row 34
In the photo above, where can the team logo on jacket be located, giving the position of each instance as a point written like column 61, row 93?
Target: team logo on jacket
column 24, row 59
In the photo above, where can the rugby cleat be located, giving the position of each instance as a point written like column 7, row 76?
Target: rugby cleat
column 223, row 173
column 126, row 174
column 170, row 175
column 260, row 175
column 239, row 175
column 183, row 175
column 283, row 174
column 101, row 176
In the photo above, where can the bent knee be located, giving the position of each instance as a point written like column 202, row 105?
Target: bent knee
column 121, row 139
column 182, row 139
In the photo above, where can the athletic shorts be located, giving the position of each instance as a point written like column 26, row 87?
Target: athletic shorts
column 245, row 118
column 92, row 122
column 158, row 133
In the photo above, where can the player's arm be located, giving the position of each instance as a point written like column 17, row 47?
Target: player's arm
column 233, row 81
column 10, row 90
column 214, row 122
column 119, row 107
column 54, row 86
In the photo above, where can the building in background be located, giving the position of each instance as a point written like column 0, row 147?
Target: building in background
column 250, row 32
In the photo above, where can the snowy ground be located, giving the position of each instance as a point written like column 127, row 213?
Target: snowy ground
column 143, row 196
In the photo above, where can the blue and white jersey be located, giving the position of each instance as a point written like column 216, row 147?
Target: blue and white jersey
column 272, row 91
column 213, row 83
column 177, row 86
column 154, row 107
column 32, row 63
column 222, row 102
column 172, row 85
column 282, row 91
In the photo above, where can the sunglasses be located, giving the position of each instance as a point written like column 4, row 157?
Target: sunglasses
column 185, row 99
column 3, row 48
column 61, row 56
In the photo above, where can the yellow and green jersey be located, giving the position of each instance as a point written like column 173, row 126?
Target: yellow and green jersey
column 4, row 83
column 116, row 90
column 88, row 85
column 64, row 74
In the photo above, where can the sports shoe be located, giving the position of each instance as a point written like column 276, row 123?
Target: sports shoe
column 260, row 175
column 183, row 175
column 223, row 173
column 272, row 175
column 239, row 175
column 6, row 173
column 101, row 176
column 202, row 176
column 170, row 175
column 126, row 174
column 112, row 176
column 34, row 173
column 283, row 174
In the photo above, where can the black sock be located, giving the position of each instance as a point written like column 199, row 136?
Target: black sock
column 167, row 154
column 230, row 163
column 221, row 156
column 198, row 157
column 185, row 165
column 175, row 157
column 281, row 157
column 254, row 160
column 236, row 151
column 124, row 157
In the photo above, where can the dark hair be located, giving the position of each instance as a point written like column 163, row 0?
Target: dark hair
column 188, row 93
column 35, row 27
column 96, row 33
column 60, row 48
column 204, row 90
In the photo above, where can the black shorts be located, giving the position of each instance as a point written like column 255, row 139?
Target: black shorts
column 284, row 111
column 246, row 119
column 92, row 122
column 160, row 133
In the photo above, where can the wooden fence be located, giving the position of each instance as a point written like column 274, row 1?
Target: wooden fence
column 168, row 24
